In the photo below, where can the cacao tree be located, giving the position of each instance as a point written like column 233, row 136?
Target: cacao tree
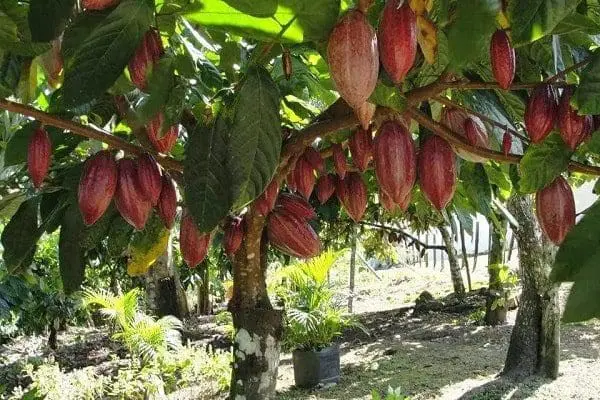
column 113, row 107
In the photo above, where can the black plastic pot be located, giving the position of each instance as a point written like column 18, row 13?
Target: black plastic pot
column 316, row 367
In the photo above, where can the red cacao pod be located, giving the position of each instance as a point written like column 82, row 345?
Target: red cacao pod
column 397, row 39
column 165, row 142
column 192, row 243
column 365, row 114
column 341, row 191
column 233, row 235
column 405, row 202
column 386, row 201
column 353, row 58
column 290, row 180
column 292, row 235
column 167, row 201
column 52, row 62
column 314, row 158
column 588, row 128
column 506, row 143
column 502, row 57
column 540, row 112
column 266, row 201
column 361, row 148
column 555, row 209
column 571, row 124
column 325, row 187
column 339, row 160
column 99, row 4
column 456, row 120
column 296, row 205
column 149, row 177
column 97, row 186
column 145, row 58
column 130, row 200
column 395, row 160
column 355, row 202
column 39, row 152
column 304, row 177
column 436, row 167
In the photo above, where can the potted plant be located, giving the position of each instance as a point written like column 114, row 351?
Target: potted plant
column 313, row 320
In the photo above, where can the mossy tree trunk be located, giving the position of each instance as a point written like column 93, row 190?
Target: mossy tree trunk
column 455, row 274
column 495, row 307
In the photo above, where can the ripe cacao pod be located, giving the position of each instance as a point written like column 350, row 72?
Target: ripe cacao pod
column 341, row 190
column 365, row 114
column 502, row 57
column 97, row 186
column 571, row 124
column 233, row 235
column 304, row 177
column 588, row 128
column 192, row 243
column 353, row 58
column 296, row 205
column 290, row 180
column 506, row 143
column 314, row 158
column 130, row 200
column 292, row 235
column 266, row 201
column 395, row 160
column 397, row 39
column 456, row 120
column 339, row 160
column 540, row 112
column 167, row 201
column 98, row 4
column 144, row 59
column 162, row 143
column 361, row 148
column 39, row 152
column 325, row 187
column 555, row 209
column 405, row 202
column 355, row 202
column 149, row 177
column 436, row 167
column 386, row 201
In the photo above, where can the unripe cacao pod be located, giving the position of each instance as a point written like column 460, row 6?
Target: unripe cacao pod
column 540, row 112
column 339, row 160
column 353, row 58
column 98, row 4
column 233, row 235
column 149, row 177
column 192, row 243
column 502, row 57
column 397, row 39
column 571, row 125
column 145, row 58
column 296, row 205
column 395, row 160
column 39, row 152
column 266, row 201
column 456, row 120
column 167, row 201
column 555, row 209
column 162, row 143
column 130, row 200
column 325, row 187
column 355, row 202
column 436, row 167
column 506, row 143
column 365, row 114
column 314, row 158
column 304, row 177
column 292, row 235
column 97, row 186
column 361, row 148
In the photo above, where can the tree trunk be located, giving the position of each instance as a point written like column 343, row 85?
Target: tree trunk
column 535, row 341
column 204, row 303
column 457, row 280
column 258, row 327
column 495, row 308
column 352, row 271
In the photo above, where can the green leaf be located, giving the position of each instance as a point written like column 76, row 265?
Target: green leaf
column 477, row 187
column 291, row 21
column 160, row 85
column 79, row 30
column 255, row 142
column 70, row 253
column 207, row 182
column 388, row 96
column 429, row 73
column 11, row 66
column 587, row 95
column 530, row 20
column 51, row 205
column 20, row 236
column 47, row 18
column 101, row 58
column 576, row 22
column 119, row 235
column 93, row 235
column 542, row 163
column 582, row 303
column 14, row 27
column 10, row 204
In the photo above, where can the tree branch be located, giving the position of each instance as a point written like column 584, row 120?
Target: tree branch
column 561, row 74
column 405, row 234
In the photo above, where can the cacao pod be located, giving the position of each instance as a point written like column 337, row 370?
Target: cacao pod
column 588, row 128
column 266, row 201
column 436, row 167
column 540, row 112
column 339, row 160
column 162, row 143
column 353, row 58
column 502, row 57
column 129, row 197
column 506, row 143
column 355, row 202
column 341, row 190
column 97, row 186
column 365, row 114
column 325, row 187
column 395, row 160
column 286, row 62
column 292, row 235
column 52, row 62
column 192, row 243
column 397, row 39
column 456, row 120
column 144, row 59
column 405, row 202
column 555, row 209
column 304, row 177
column 290, row 180
column 98, row 4
column 296, row 205
column 39, row 152
column 233, row 235
column 314, row 158
column 571, row 124
column 167, row 201
column 386, row 201
column 149, row 177
column 361, row 148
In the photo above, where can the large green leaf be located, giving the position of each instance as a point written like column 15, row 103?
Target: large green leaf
column 290, row 21
column 47, row 18
column 477, row 187
column 101, row 58
column 582, row 303
column 160, row 85
column 78, row 30
column 388, row 96
column 70, row 253
column 255, row 142
column 20, row 236
column 14, row 30
column 542, row 163
column 576, row 22
column 587, row 95
column 530, row 20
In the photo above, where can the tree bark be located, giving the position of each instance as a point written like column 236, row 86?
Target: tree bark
column 495, row 309
column 457, row 280
column 535, row 341
column 204, row 303
column 352, row 271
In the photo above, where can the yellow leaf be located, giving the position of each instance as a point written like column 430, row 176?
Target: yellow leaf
column 429, row 5
column 419, row 6
column 502, row 20
column 427, row 38
column 141, row 258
